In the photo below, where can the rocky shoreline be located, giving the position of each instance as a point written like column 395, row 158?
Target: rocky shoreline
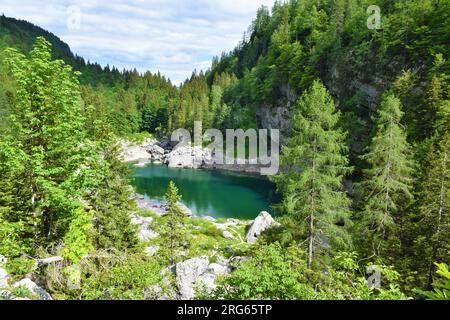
column 187, row 157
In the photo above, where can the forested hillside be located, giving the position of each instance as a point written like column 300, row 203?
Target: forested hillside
column 365, row 165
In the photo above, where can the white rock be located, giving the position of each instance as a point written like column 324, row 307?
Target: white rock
column 217, row 268
column 228, row 235
column 7, row 295
column 186, row 210
column 199, row 273
column 151, row 251
column 33, row 288
column 135, row 154
column 187, row 275
column 262, row 223
column 147, row 234
column 3, row 278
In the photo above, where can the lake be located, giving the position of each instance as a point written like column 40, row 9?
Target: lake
column 218, row 194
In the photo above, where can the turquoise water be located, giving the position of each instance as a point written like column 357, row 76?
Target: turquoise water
column 217, row 194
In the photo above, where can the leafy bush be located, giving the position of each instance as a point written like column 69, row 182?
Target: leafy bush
column 124, row 278
column 442, row 286
column 272, row 273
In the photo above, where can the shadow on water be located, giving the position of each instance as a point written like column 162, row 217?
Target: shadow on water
column 218, row 194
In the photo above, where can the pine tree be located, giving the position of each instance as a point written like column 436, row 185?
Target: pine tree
column 385, row 189
column 313, row 164
column 174, row 237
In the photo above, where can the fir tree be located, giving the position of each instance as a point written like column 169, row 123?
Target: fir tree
column 174, row 237
column 111, row 200
column 313, row 164
column 387, row 181
column 434, row 207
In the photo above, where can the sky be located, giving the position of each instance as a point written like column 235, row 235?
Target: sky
column 173, row 37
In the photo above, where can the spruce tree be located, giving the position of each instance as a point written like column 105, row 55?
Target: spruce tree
column 313, row 164
column 430, row 225
column 385, row 189
column 174, row 238
column 111, row 201
column 434, row 207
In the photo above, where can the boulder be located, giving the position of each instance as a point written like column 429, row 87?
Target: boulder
column 198, row 273
column 137, row 154
column 33, row 288
column 145, row 232
column 7, row 295
column 262, row 223
column 151, row 251
column 187, row 275
column 180, row 158
column 228, row 235
column 156, row 153
column 3, row 278
column 154, row 206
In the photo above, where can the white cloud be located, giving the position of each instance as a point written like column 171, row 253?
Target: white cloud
column 171, row 36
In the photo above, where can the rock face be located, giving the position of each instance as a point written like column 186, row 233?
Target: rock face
column 189, row 157
column 135, row 153
column 186, row 156
column 144, row 153
column 33, row 288
column 157, row 153
column 262, row 223
column 198, row 273
column 276, row 118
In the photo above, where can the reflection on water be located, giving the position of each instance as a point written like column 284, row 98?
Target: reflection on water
column 209, row 193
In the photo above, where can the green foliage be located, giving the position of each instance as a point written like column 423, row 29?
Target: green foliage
column 126, row 277
column 272, row 274
column 343, row 281
column 21, row 292
column 46, row 132
column 20, row 266
column 430, row 224
column 77, row 240
column 313, row 164
column 58, row 154
column 112, row 203
column 174, row 239
column 387, row 182
column 442, row 286
column 51, row 171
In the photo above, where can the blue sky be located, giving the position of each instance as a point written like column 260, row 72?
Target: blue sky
column 171, row 36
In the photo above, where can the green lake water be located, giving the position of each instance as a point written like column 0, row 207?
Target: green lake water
column 218, row 194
